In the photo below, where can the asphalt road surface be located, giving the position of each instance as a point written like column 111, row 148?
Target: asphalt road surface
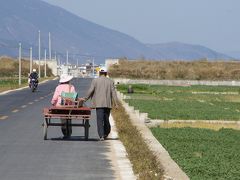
column 24, row 155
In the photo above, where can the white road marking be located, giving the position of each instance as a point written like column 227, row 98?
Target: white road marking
column 3, row 117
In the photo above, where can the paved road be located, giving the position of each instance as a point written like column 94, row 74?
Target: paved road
column 24, row 155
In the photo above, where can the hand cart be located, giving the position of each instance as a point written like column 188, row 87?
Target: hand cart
column 80, row 114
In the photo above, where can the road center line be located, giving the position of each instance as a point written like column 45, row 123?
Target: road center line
column 23, row 106
column 30, row 103
column 15, row 110
column 3, row 117
column 36, row 100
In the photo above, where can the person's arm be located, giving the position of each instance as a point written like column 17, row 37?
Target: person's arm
column 55, row 97
column 72, row 89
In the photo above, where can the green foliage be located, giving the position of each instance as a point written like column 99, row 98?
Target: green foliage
column 12, row 82
column 203, row 153
column 140, row 88
column 187, row 103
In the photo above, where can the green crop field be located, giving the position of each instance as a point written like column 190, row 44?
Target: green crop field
column 203, row 153
column 185, row 102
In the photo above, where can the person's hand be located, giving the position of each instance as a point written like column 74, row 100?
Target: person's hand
column 116, row 106
column 81, row 99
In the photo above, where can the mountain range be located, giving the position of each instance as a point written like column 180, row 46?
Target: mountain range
column 20, row 21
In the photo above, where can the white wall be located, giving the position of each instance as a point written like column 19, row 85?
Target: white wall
column 52, row 64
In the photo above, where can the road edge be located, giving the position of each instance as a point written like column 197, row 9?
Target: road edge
column 121, row 164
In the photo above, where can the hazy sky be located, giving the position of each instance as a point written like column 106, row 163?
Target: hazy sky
column 212, row 23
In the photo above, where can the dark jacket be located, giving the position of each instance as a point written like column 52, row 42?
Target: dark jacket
column 33, row 75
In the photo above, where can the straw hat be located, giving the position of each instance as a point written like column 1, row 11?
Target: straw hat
column 65, row 78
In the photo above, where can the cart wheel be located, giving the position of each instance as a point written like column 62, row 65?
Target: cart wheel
column 86, row 129
column 45, row 130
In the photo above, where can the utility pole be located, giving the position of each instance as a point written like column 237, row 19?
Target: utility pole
column 93, row 67
column 67, row 58
column 19, row 64
column 59, row 62
column 39, row 53
column 49, row 46
column 45, row 63
column 31, row 60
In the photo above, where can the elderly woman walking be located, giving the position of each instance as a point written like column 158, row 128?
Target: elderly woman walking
column 64, row 86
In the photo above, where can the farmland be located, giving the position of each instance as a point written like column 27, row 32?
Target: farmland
column 203, row 153
column 207, row 151
column 185, row 103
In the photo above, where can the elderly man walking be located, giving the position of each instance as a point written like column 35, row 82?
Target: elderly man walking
column 104, row 97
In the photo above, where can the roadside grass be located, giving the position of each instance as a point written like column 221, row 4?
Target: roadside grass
column 145, row 165
column 203, row 153
column 185, row 103
column 12, row 83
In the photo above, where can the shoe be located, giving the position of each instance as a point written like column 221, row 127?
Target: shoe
column 65, row 137
column 101, row 139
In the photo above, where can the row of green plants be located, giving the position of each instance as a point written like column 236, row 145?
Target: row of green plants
column 172, row 70
column 185, row 103
column 203, row 153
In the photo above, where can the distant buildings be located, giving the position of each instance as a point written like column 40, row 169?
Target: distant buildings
column 84, row 70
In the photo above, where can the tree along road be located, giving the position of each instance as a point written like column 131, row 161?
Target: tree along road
column 24, row 155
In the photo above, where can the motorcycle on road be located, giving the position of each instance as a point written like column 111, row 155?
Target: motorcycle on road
column 33, row 85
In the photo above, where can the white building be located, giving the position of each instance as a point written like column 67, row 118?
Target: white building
column 110, row 62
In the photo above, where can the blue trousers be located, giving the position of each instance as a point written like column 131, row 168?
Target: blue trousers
column 103, row 125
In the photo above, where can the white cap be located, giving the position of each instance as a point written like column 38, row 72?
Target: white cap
column 34, row 70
